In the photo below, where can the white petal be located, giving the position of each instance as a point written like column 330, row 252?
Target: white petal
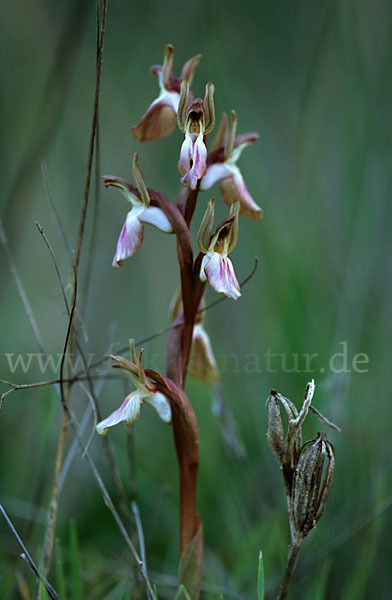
column 171, row 99
column 161, row 404
column 131, row 237
column 215, row 172
column 156, row 217
column 203, row 276
column 129, row 412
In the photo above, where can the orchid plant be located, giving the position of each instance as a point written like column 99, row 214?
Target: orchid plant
column 201, row 165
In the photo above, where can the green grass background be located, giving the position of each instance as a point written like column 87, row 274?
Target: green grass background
column 313, row 79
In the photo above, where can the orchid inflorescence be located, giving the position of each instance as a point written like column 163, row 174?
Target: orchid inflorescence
column 200, row 170
column 201, row 165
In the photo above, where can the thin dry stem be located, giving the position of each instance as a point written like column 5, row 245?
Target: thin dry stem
column 290, row 568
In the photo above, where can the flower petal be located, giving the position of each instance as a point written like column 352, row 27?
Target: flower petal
column 219, row 271
column 184, row 163
column 203, row 276
column 233, row 188
column 199, row 157
column 215, row 172
column 156, row 217
column 161, row 404
column 131, row 237
column 160, row 118
column 129, row 412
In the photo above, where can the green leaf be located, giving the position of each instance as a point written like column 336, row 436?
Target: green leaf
column 260, row 578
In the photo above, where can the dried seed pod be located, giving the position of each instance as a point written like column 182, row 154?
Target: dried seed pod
column 275, row 433
column 312, row 483
column 287, row 447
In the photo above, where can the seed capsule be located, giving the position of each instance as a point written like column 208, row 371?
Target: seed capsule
column 312, row 483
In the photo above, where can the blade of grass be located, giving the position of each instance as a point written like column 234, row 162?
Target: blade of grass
column 260, row 578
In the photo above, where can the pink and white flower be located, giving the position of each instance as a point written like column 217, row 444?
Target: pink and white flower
column 193, row 159
column 132, row 232
column 129, row 411
column 194, row 120
column 216, row 267
column 231, row 183
column 159, row 120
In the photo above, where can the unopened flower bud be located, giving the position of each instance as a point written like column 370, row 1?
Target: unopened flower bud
column 312, row 483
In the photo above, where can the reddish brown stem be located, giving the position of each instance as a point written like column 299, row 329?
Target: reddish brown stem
column 186, row 438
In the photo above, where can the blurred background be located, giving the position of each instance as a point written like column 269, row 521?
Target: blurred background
column 313, row 79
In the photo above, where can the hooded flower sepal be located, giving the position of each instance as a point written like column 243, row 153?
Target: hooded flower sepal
column 129, row 410
column 160, row 118
column 226, row 150
column 195, row 119
column 216, row 267
column 132, row 233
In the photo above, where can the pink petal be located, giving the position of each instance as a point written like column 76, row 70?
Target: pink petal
column 220, row 275
column 193, row 160
column 131, row 238
column 199, row 157
column 129, row 412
